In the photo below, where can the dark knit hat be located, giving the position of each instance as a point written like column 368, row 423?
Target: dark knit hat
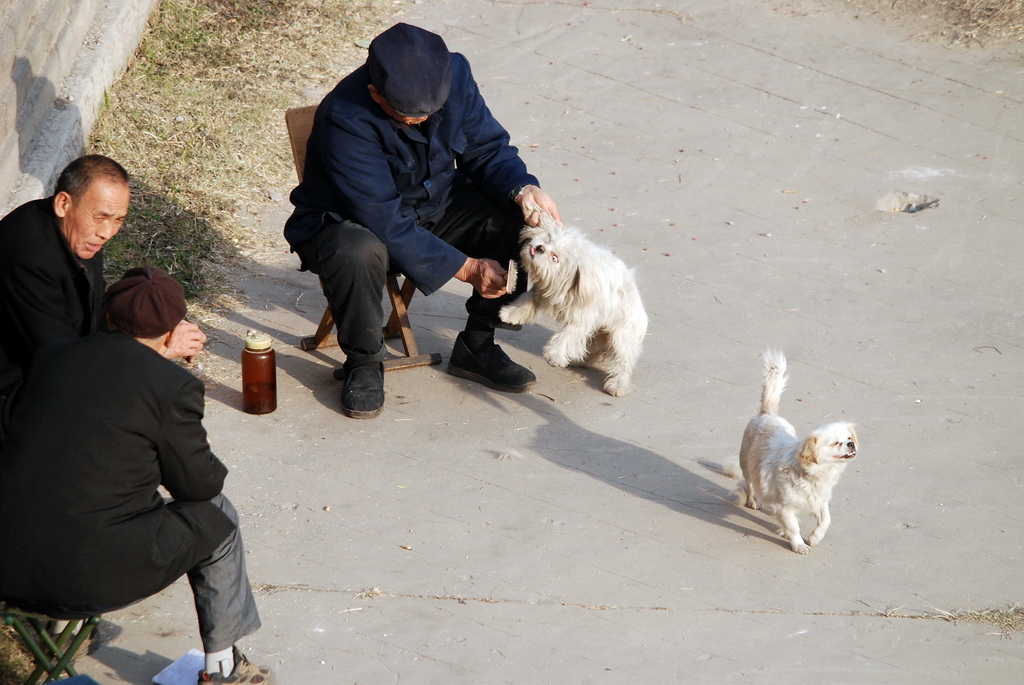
column 412, row 69
column 145, row 303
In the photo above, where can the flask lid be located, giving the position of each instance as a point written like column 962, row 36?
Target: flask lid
column 256, row 341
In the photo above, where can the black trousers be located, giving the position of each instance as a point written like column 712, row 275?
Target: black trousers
column 353, row 264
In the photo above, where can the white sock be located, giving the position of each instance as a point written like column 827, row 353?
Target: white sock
column 222, row 662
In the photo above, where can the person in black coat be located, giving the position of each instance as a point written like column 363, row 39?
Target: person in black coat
column 102, row 421
column 406, row 169
column 51, row 268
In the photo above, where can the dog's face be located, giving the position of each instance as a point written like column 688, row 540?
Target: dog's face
column 550, row 255
column 830, row 444
column 543, row 248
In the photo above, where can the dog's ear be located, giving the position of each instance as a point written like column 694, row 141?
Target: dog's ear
column 809, row 450
column 583, row 290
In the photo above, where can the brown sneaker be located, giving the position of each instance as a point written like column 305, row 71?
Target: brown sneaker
column 244, row 672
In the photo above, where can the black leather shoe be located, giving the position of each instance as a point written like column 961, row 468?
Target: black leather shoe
column 491, row 366
column 363, row 394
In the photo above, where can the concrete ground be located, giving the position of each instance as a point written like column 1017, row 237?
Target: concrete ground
column 746, row 159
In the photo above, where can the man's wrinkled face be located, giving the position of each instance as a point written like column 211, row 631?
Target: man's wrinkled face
column 95, row 217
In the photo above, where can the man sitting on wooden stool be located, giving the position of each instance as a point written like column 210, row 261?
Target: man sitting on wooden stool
column 406, row 169
column 101, row 423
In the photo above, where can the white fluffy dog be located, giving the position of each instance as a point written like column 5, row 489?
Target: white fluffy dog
column 787, row 475
column 591, row 293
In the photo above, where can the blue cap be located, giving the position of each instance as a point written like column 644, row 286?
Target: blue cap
column 411, row 68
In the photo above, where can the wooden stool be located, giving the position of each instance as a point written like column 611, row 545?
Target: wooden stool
column 299, row 121
column 52, row 654
column 397, row 327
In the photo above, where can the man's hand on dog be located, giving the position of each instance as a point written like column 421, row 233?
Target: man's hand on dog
column 532, row 198
column 487, row 276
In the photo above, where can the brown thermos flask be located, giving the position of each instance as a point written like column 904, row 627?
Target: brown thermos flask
column 259, row 374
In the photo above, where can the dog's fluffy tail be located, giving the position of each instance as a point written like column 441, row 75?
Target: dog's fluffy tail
column 774, row 381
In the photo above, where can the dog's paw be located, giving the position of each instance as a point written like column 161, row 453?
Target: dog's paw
column 514, row 315
column 815, row 538
column 616, row 386
column 556, row 361
column 556, row 357
column 796, row 542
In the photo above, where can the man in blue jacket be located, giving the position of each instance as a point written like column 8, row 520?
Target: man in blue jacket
column 407, row 170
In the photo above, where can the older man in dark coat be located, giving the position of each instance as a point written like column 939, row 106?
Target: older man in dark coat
column 407, row 169
column 51, row 268
column 101, row 422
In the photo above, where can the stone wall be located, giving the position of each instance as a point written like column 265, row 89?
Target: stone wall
column 59, row 58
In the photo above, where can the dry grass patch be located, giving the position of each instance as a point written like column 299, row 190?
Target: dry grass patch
column 15, row 662
column 981, row 21
column 1009, row 620
column 953, row 22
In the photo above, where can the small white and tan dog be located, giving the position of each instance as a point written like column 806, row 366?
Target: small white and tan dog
column 591, row 293
column 786, row 475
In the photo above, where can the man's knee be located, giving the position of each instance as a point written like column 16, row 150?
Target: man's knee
column 346, row 248
column 225, row 505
